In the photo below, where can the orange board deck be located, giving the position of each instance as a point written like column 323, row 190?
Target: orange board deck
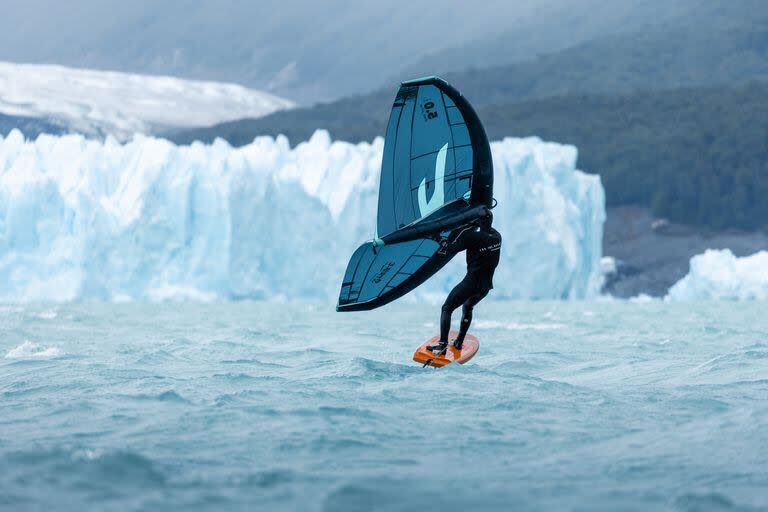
column 467, row 352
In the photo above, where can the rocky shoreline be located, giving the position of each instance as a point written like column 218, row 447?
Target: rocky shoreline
column 652, row 254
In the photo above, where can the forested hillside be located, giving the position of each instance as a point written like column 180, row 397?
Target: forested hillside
column 694, row 155
column 697, row 156
column 664, row 114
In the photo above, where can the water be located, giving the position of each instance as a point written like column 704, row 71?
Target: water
column 568, row 406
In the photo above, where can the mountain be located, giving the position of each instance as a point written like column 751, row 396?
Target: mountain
column 695, row 155
column 727, row 46
column 732, row 48
column 552, row 28
column 664, row 114
column 120, row 104
column 311, row 51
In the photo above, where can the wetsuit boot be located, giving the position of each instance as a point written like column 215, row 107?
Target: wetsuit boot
column 439, row 349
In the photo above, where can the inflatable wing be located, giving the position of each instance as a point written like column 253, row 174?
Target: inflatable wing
column 436, row 176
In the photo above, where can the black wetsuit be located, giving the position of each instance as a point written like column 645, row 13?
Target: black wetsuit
column 483, row 246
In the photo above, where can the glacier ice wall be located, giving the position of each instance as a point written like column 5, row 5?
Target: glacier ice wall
column 719, row 275
column 151, row 221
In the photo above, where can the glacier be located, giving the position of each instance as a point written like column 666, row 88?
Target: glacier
column 99, row 103
column 148, row 220
column 720, row 275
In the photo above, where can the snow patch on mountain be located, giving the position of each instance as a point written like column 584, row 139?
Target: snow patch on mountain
column 121, row 104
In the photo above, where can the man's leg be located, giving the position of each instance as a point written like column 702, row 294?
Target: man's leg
column 466, row 317
column 456, row 298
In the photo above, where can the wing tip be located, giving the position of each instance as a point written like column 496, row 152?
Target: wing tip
column 425, row 80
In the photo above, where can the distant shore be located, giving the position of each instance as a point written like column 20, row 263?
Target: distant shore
column 652, row 254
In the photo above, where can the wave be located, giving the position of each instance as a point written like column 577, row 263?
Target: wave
column 515, row 326
column 30, row 350
column 91, row 467
column 48, row 314
column 165, row 396
column 712, row 502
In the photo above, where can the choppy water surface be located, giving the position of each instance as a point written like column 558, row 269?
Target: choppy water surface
column 568, row 406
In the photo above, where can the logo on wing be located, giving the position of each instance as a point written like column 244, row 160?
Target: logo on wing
column 438, row 196
column 385, row 268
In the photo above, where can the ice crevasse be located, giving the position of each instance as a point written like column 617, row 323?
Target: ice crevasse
column 150, row 221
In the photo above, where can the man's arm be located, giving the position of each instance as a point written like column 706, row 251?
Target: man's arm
column 459, row 239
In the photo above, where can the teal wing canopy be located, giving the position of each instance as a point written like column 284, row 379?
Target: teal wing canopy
column 377, row 276
column 435, row 151
column 436, row 162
